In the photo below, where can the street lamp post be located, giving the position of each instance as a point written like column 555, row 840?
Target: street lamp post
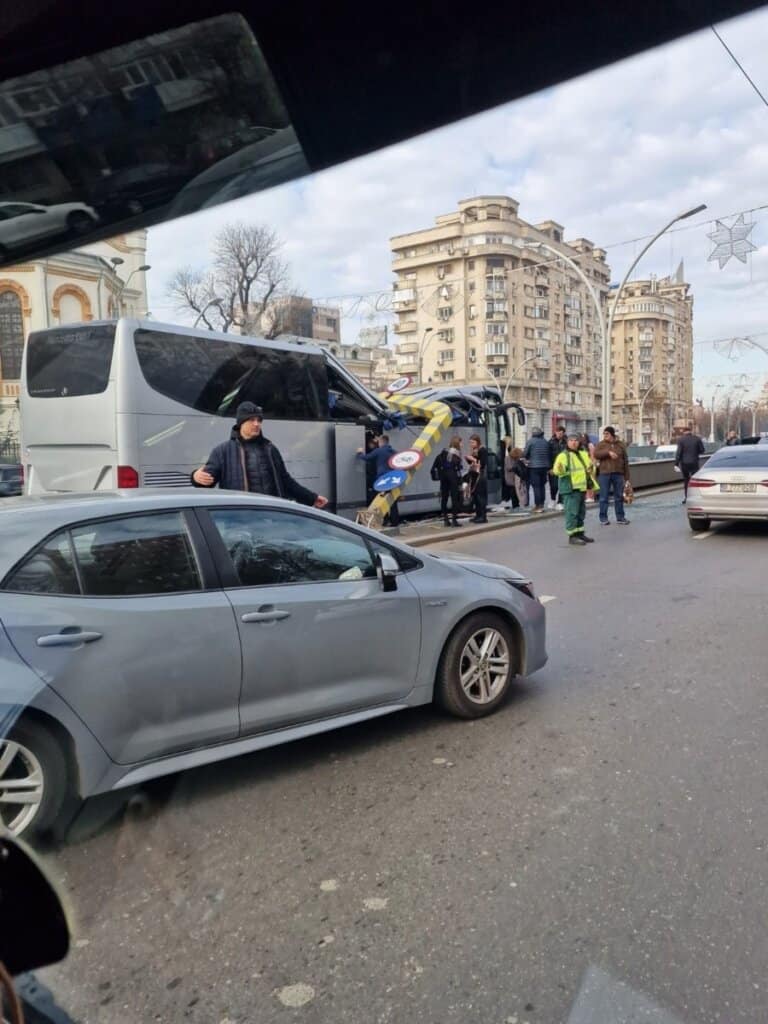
column 606, row 409
column 422, row 349
column 116, row 261
column 712, row 413
column 514, row 374
column 535, row 244
column 642, row 406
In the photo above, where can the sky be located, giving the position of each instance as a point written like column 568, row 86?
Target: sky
column 612, row 156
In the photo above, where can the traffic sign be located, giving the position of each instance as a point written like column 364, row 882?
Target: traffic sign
column 409, row 458
column 390, row 481
column 399, row 385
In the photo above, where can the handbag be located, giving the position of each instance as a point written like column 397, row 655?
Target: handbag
column 629, row 493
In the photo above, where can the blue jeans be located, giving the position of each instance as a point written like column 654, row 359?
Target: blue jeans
column 538, row 480
column 606, row 482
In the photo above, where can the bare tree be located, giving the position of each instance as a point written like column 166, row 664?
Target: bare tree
column 241, row 289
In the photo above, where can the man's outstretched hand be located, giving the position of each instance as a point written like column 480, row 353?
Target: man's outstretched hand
column 320, row 501
column 204, row 479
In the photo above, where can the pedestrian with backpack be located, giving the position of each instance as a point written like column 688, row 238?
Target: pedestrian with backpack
column 448, row 469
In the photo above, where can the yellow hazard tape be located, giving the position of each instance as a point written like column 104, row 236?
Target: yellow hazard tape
column 441, row 418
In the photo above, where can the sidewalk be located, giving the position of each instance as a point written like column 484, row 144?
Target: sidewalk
column 423, row 532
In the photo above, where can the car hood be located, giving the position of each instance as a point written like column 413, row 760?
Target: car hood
column 490, row 570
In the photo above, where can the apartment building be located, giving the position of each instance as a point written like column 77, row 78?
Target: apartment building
column 326, row 323
column 481, row 297
column 300, row 316
column 652, row 355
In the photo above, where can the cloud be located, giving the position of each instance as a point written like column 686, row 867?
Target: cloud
column 611, row 155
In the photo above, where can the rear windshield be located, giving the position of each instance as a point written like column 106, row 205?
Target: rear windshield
column 70, row 362
column 740, row 458
column 10, row 473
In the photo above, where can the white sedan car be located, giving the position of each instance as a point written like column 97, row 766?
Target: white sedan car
column 732, row 485
column 22, row 223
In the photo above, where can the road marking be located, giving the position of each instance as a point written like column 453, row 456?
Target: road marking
column 546, row 598
column 703, row 536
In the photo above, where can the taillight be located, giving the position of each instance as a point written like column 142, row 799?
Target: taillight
column 700, row 482
column 21, row 475
column 127, row 477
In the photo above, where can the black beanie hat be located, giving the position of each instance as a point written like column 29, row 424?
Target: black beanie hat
column 248, row 411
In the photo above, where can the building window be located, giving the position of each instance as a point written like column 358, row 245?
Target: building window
column 445, row 355
column 445, row 313
column 472, row 286
column 470, row 265
column 330, row 322
column 11, row 335
column 472, row 331
column 494, row 261
column 446, row 334
column 528, row 332
column 496, row 348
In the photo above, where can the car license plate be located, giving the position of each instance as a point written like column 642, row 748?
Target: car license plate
column 738, row 488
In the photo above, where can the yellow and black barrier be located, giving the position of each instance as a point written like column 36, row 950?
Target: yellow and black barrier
column 440, row 420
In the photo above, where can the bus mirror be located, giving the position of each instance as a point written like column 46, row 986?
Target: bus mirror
column 521, row 416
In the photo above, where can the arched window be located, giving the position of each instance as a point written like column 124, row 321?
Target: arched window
column 11, row 335
column 354, row 353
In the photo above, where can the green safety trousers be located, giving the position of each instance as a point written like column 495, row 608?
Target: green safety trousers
column 575, row 505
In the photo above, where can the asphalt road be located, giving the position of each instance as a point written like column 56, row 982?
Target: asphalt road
column 595, row 853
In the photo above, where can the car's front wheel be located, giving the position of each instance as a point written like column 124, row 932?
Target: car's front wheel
column 477, row 666
column 698, row 525
column 33, row 780
column 79, row 223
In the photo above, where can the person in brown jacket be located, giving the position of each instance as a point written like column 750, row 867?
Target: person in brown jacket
column 613, row 471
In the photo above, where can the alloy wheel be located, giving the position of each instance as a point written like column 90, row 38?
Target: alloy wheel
column 484, row 666
column 21, row 786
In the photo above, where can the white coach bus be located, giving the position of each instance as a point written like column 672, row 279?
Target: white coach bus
column 136, row 403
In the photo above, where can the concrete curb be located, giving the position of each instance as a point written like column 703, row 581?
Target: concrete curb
column 472, row 530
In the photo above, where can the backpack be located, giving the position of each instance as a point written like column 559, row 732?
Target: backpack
column 436, row 472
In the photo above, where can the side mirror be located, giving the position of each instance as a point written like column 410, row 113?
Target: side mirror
column 521, row 416
column 386, row 571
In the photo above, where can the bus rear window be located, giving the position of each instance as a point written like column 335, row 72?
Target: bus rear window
column 70, row 362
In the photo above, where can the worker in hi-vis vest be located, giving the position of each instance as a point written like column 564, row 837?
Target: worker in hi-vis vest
column 573, row 468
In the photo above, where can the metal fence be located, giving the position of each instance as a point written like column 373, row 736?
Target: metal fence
column 10, row 451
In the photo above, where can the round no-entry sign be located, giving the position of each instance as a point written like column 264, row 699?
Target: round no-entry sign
column 399, row 385
column 409, row 458
column 390, row 481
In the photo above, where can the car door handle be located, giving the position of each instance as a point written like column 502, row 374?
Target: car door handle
column 73, row 639
column 267, row 615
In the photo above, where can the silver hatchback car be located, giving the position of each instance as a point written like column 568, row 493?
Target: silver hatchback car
column 146, row 632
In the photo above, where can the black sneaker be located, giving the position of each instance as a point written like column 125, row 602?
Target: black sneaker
column 577, row 539
column 623, row 522
column 587, row 540
column 605, row 522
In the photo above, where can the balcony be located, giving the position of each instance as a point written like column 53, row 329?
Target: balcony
column 404, row 305
column 407, row 348
column 542, row 281
column 406, row 327
column 497, row 360
column 407, row 366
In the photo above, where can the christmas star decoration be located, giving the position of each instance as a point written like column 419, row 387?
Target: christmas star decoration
column 731, row 241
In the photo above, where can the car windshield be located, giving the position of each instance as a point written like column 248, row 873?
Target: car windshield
column 351, row 670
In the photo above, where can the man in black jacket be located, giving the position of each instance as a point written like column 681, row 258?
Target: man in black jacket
column 249, row 462
column 557, row 443
column 690, row 448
